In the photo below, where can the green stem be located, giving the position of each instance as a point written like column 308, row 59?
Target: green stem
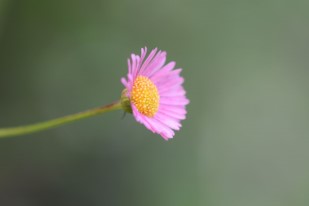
column 21, row 130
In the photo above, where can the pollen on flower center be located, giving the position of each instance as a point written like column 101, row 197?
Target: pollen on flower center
column 145, row 96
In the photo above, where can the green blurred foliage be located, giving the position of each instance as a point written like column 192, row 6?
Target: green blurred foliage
column 245, row 141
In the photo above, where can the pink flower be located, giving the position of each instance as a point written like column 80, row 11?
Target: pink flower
column 155, row 92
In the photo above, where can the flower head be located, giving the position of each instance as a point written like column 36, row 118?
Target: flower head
column 155, row 92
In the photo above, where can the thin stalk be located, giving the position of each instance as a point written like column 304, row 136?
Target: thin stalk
column 21, row 130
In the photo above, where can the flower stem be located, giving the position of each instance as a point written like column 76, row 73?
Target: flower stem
column 21, row 130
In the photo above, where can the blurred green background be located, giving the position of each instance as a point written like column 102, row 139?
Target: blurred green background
column 244, row 143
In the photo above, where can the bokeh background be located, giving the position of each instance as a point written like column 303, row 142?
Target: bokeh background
column 246, row 138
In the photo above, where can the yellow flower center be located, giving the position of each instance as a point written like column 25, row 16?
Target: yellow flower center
column 145, row 96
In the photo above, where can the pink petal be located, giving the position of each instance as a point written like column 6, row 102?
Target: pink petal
column 173, row 93
column 167, row 121
column 181, row 101
column 145, row 64
column 124, row 82
column 173, row 115
column 163, row 71
column 155, row 64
